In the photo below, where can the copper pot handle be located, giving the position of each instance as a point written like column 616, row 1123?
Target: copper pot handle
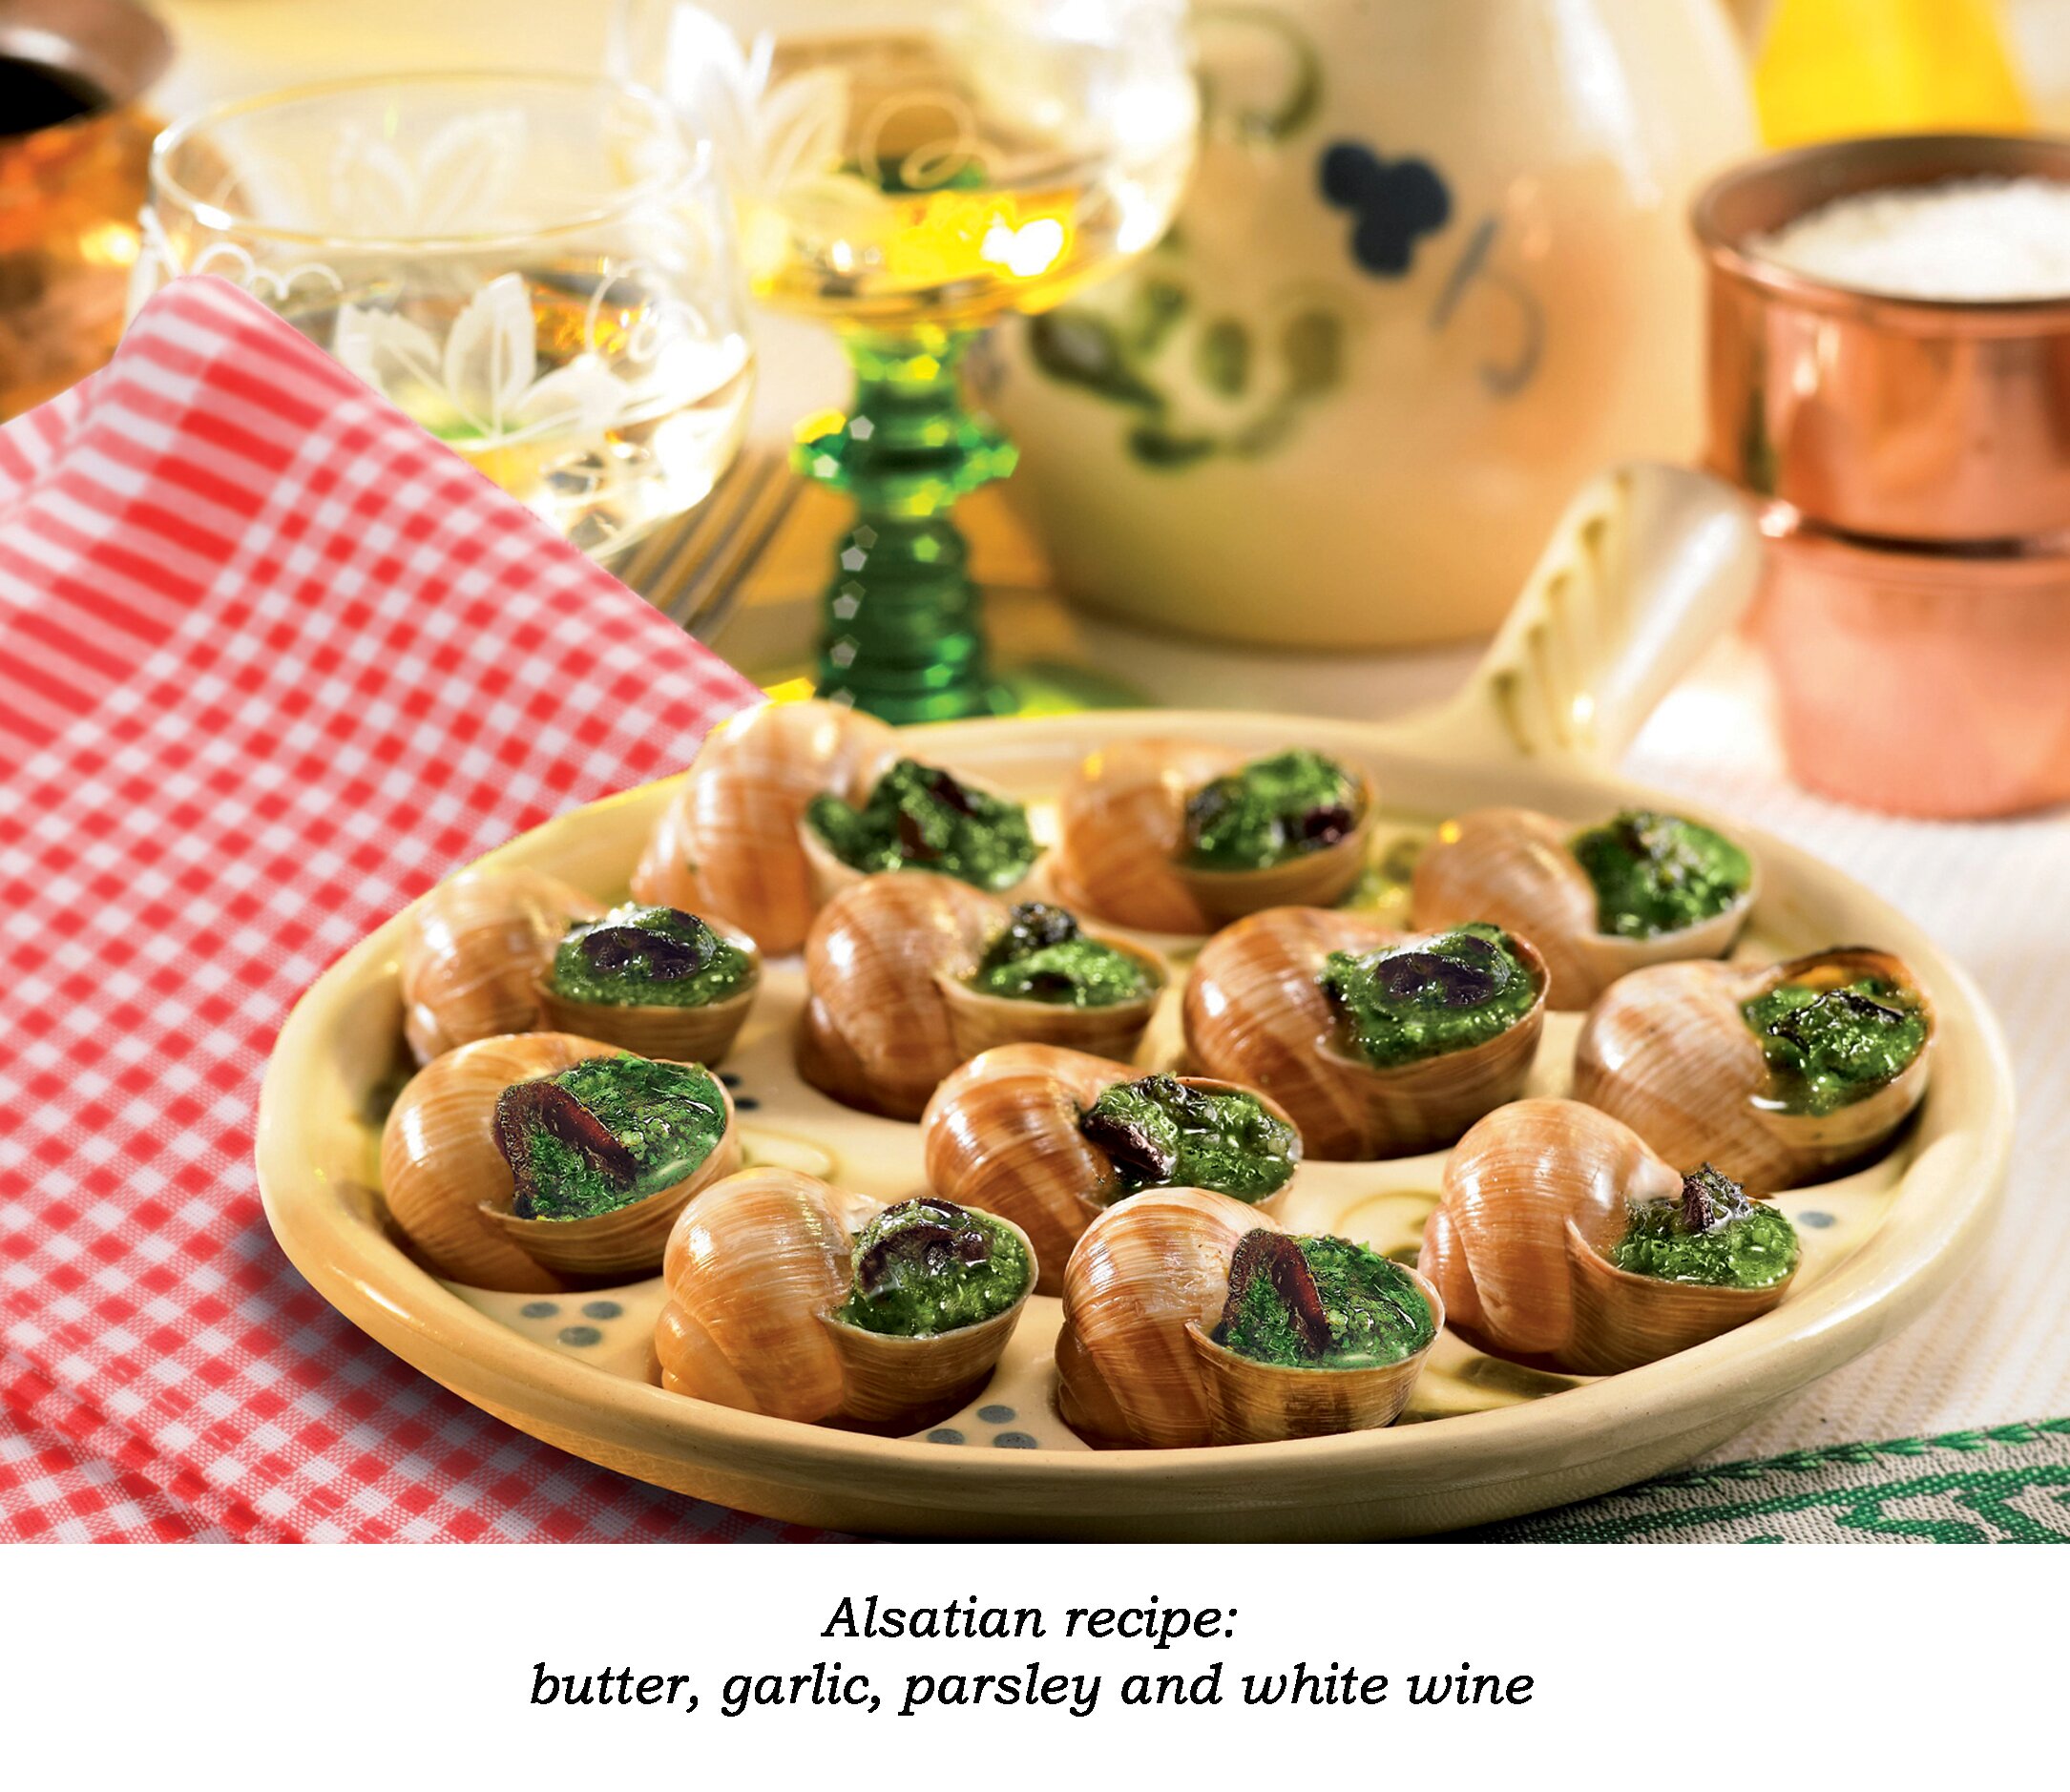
column 1649, row 564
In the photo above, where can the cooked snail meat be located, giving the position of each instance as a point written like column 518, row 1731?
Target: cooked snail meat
column 1561, row 1237
column 1709, row 1234
column 1179, row 836
column 1269, row 811
column 650, row 957
column 920, row 818
column 1049, row 1137
column 1320, row 1303
column 1377, row 1044
column 657, row 980
column 1640, row 888
column 1827, row 1048
column 606, row 1133
column 791, row 1298
column 512, row 1162
column 1776, row 1074
column 928, row 1266
column 1161, row 1133
column 1043, row 955
column 913, row 974
column 1190, row 1319
column 1656, row 874
column 1445, row 993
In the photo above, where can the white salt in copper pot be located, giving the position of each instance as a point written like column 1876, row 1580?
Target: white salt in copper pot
column 1911, row 462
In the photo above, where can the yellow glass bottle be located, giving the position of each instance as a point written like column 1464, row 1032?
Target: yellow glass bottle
column 1859, row 67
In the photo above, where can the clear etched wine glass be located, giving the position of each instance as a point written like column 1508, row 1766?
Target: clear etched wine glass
column 542, row 270
column 909, row 174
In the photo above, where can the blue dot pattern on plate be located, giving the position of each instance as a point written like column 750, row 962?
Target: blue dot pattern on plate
column 1815, row 1218
column 579, row 1335
column 945, row 1434
column 538, row 1309
column 745, row 1103
column 601, row 1309
column 996, row 1415
column 1013, row 1440
column 728, row 1078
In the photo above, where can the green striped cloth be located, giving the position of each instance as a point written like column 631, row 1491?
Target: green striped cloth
column 2006, row 1484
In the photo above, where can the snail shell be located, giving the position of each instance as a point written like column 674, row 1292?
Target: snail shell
column 1534, row 1195
column 1121, row 826
column 448, row 1187
column 891, row 1014
column 755, row 1267
column 1512, row 866
column 472, row 952
column 1667, row 1052
column 730, row 839
column 660, row 1029
column 1255, row 1014
column 1002, row 1133
column 1135, row 1361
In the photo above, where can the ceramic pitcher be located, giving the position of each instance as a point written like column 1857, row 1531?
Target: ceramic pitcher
column 1434, row 273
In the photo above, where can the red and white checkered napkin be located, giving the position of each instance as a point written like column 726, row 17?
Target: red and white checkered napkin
column 272, row 661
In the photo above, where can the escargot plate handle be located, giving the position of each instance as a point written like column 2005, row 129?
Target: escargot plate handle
column 1649, row 564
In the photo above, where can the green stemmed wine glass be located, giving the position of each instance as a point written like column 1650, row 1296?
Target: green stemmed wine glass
column 912, row 176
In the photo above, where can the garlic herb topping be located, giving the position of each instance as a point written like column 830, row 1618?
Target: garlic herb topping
column 1829, row 1048
column 1270, row 810
column 1042, row 955
column 1710, row 1234
column 920, row 817
column 648, row 957
column 1658, row 873
column 928, row 1266
column 1321, row 1302
column 605, row 1133
column 1161, row 1133
column 1422, row 999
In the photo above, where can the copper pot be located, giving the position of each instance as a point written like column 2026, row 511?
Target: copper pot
column 69, row 192
column 1912, row 464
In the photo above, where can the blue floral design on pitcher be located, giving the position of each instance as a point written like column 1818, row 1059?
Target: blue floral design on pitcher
column 1395, row 202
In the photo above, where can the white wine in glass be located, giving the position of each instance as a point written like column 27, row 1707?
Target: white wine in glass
column 909, row 177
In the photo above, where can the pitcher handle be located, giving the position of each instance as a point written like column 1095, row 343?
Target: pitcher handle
column 1649, row 564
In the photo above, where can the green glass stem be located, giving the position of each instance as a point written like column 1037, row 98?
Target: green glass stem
column 901, row 637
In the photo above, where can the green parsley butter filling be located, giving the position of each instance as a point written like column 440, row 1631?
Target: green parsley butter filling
column 648, row 957
column 1042, row 955
column 927, row 1266
column 606, row 1133
column 1161, row 1133
column 1829, row 1048
column 919, row 817
column 1269, row 811
column 1321, row 1303
column 1712, row 1234
column 1421, row 999
column 1658, row 873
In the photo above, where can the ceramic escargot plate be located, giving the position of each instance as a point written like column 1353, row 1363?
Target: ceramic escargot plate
column 1482, row 1438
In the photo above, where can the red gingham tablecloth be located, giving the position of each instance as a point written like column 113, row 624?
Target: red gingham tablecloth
column 272, row 661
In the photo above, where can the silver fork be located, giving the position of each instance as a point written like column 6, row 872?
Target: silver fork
column 693, row 568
